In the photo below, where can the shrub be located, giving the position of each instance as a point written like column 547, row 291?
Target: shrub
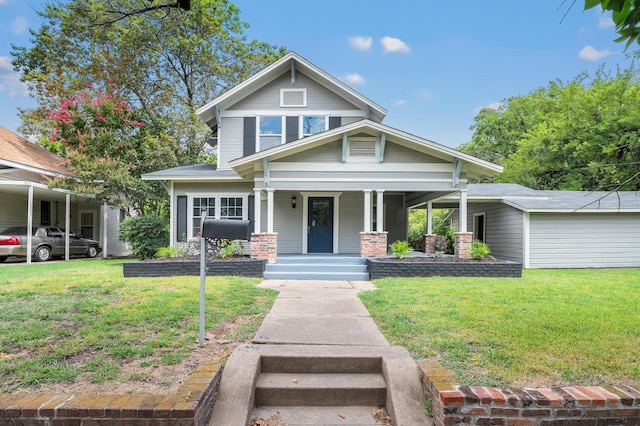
column 479, row 250
column 169, row 252
column 145, row 234
column 400, row 249
column 230, row 248
column 440, row 244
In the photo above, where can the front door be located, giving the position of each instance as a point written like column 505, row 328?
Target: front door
column 320, row 226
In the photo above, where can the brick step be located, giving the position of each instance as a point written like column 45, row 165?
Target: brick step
column 288, row 389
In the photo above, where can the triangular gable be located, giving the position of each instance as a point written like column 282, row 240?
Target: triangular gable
column 291, row 62
column 476, row 168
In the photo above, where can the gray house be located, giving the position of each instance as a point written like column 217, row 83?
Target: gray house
column 309, row 162
column 554, row 229
column 26, row 200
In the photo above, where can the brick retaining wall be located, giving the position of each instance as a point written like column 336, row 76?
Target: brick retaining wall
column 190, row 406
column 397, row 268
column 453, row 404
column 245, row 268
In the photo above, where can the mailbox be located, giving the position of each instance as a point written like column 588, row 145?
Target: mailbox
column 227, row 229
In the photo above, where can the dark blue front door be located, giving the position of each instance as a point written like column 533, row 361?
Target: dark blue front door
column 320, row 226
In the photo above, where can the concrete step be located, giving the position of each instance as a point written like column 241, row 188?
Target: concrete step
column 322, row 276
column 340, row 415
column 320, row 389
column 321, row 364
column 322, row 259
column 315, row 267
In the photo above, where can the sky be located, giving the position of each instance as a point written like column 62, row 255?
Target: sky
column 432, row 64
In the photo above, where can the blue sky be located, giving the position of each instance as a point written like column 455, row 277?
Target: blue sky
column 431, row 64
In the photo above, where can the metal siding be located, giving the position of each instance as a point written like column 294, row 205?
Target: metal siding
column 351, row 222
column 504, row 229
column 585, row 240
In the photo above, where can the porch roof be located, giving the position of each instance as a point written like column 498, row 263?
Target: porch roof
column 476, row 168
column 193, row 172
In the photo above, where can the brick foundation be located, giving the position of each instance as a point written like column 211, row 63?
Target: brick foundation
column 373, row 244
column 264, row 246
column 463, row 245
column 190, row 406
column 453, row 404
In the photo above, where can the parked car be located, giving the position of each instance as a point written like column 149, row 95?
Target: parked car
column 46, row 242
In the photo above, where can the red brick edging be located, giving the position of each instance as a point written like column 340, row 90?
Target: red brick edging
column 453, row 404
column 190, row 406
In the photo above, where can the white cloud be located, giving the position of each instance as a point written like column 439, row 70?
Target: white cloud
column 361, row 43
column 10, row 80
column 606, row 22
column 400, row 102
column 19, row 25
column 355, row 79
column 590, row 53
column 393, row 45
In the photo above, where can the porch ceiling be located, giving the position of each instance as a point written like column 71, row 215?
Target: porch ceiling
column 40, row 191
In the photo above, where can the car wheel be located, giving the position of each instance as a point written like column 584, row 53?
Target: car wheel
column 92, row 252
column 43, row 253
column 3, row 258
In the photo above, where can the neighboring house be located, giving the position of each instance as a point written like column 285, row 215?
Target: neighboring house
column 25, row 200
column 309, row 162
column 554, row 229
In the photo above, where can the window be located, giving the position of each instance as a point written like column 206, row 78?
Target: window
column 293, row 97
column 269, row 132
column 231, row 208
column 310, row 125
column 199, row 204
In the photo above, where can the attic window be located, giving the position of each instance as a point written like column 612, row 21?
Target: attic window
column 293, row 97
column 362, row 149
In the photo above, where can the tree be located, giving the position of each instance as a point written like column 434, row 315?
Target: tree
column 625, row 14
column 167, row 62
column 108, row 146
column 580, row 135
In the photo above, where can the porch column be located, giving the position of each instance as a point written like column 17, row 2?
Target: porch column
column 29, row 223
column 429, row 217
column 379, row 210
column 270, row 211
column 257, row 205
column 367, row 210
column 67, row 224
column 463, row 211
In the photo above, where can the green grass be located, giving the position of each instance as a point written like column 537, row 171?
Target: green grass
column 60, row 320
column 551, row 327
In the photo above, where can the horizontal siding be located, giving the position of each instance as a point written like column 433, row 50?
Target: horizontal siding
column 287, row 221
column 584, row 240
column 351, row 222
column 394, row 153
column 504, row 229
column 268, row 97
column 230, row 141
column 115, row 247
column 327, row 153
column 395, row 217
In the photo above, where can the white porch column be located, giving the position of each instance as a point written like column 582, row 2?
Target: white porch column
column 429, row 217
column 463, row 211
column 270, row 210
column 367, row 210
column 67, row 224
column 29, row 222
column 379, row 210
column 172, row 217
column 105, row 220
column 257, row 205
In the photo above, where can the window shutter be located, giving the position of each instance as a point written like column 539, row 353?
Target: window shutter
column 181, row 218
column 292, row 129
column 335, row 122
column 249, row 136
column 251, row 212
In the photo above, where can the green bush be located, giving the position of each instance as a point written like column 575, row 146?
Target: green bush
column 169, row 252
column 145, row 234
column 479, row 250
column 231, row 248
column 400, row 249
column 418, row 227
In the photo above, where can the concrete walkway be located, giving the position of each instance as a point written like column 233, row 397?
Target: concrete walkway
column 319, row 313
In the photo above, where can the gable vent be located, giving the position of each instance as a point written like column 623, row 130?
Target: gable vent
column 293, row 98
column 362, row 149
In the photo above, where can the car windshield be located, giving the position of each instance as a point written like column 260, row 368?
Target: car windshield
column 17, row 230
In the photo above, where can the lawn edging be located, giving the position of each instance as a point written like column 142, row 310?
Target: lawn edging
column 453, row 404
column 244, row 268
column 397, row 268
column 191, row 405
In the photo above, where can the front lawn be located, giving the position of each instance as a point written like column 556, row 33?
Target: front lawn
column 549, row 328
column 66, row 319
